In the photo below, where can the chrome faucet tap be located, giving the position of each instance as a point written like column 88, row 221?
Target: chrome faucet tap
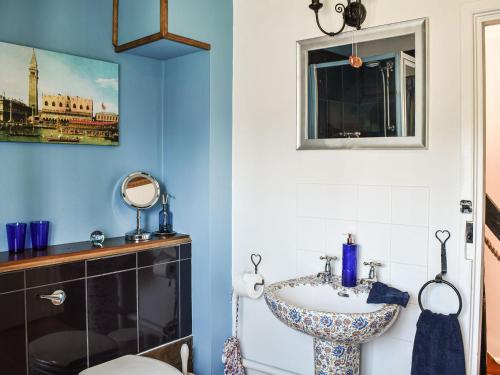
column 327, row 275
column 372, row 275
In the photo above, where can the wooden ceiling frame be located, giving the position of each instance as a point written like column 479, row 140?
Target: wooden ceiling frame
column 162, row 34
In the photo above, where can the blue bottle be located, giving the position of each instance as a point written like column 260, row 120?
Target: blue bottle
column 349, row 263
column 165, row 216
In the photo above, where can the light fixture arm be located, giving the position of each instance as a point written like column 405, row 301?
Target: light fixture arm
column 354, row 14
column 339, row 8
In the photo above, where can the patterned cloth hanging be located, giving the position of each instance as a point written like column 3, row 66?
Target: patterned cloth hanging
column 232, row 355
column 233, row 361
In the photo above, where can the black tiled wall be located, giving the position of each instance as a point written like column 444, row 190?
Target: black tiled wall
column 55, row 274
column 122, row 304
column 112, row 316
column 57, row 334
column 12, row 333
column 185, row 298
column 111, row 264
column 158, row 317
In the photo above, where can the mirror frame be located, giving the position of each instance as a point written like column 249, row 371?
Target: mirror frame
column 149, row 177
column 417, row 27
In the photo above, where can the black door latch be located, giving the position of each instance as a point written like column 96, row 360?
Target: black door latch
column 469, row 232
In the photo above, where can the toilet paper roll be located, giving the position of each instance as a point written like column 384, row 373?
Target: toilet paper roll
column 244, row 285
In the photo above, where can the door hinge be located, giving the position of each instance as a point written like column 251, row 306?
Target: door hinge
column 466, row 207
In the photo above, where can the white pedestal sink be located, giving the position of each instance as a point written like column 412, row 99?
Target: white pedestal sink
column 338, row 318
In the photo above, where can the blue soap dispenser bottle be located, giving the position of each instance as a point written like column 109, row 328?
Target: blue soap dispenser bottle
column 349, row 263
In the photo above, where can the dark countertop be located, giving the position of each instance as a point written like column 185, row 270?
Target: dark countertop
column 77, row 251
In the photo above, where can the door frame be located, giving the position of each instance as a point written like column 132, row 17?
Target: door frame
column 474, row 18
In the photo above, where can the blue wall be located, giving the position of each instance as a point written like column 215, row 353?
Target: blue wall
column 188, row 173
column 175, row 123
column 209, row 21
column 74, row 186
column 137, row 19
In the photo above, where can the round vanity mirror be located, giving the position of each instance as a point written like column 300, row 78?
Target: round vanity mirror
column 141, row 191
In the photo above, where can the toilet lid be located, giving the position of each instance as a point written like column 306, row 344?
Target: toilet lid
column 132, row 365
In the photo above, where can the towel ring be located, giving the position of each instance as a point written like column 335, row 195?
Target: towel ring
column 442, row 236
column 440, row 280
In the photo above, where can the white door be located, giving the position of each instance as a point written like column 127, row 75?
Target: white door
column 475, row 18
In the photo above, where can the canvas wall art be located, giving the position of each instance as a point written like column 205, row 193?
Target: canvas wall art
column 51, row 97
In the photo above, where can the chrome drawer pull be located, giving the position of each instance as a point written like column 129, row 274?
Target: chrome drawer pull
column 57, row 298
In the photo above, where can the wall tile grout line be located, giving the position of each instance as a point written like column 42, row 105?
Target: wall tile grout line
column 179, row 298
column 409, row 264
column 137, row 300
column 110, row 273
column 87, row 315
column 12, row 292
column 56, row 283
column 159, row 264
column 26, row 324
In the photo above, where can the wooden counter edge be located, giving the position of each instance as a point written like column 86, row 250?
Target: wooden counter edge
column 91, row 253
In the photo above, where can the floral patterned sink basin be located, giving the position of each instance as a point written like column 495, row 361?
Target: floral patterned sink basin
column 338, row 318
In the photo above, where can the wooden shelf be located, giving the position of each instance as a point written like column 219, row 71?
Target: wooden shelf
column 162, row 45
column 79, row 251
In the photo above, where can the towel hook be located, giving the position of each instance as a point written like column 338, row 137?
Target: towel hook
column 256, row 259
column 442, row 236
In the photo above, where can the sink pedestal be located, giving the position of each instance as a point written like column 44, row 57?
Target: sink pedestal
column 331, row 358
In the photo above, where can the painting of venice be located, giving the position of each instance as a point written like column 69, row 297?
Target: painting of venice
column 51, row 97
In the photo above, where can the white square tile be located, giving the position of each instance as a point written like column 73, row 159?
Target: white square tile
column 410, row 205
column 311, row 200
column 374, row 241
column 374, row 204
column 311, row 234
column 341, row 202
column 408, row 278
column 409, row 244
column 386, row 356
column 336, row 235
column 405, row 326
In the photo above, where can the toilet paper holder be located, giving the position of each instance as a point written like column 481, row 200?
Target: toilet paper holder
column 256, row 259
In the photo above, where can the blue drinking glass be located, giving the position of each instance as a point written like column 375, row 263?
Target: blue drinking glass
column 39, row 235
column 16, row 235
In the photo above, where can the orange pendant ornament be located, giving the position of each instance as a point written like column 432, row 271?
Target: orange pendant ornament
column 354, row 60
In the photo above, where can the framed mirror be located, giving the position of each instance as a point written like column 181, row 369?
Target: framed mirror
column 382, row 104
column 141, row 191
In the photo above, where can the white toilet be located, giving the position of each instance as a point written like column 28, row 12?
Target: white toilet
column 132, row 365
column 137, row 365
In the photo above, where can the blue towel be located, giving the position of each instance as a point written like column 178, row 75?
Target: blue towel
column 381, row 293
column 438, row 348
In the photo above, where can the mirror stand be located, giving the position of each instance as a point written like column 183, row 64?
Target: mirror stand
column 138, row 234
column 140, row 191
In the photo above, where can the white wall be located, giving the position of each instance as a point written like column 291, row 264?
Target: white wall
column 492, row 265
column 291, row 205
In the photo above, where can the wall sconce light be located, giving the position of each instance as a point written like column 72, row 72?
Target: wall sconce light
column 354, row 14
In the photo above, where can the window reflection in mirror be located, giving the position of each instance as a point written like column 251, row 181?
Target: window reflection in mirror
column 376, row 100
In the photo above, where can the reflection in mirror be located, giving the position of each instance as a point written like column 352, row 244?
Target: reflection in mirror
column 384, row 99
column 346, row 102
column 141, row 191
